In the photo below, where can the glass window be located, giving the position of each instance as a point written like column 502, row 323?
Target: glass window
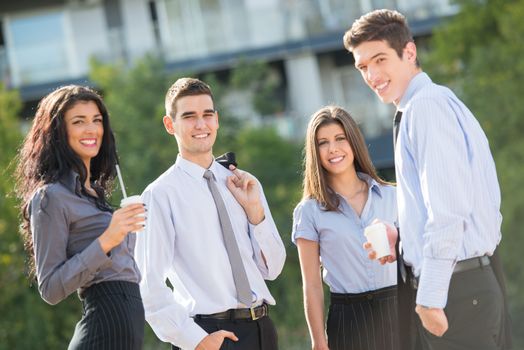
column 199, row 28
column 185, row 30
column 38, row 48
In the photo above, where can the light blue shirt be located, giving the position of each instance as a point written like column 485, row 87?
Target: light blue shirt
column 448, row 192
column 340, row 234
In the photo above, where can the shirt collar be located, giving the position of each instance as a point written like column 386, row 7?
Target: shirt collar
column 372, row 183
column 418, row 82
column 194, row 170
column 71, row 180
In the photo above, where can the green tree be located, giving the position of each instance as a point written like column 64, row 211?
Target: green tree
column 277, row 165
column 263, row 81
column 479, row 52
column 26, row 319
column 10, row 247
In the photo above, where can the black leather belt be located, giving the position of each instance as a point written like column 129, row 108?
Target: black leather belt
column 253, row 313
column 463, row 265
column 470, row 264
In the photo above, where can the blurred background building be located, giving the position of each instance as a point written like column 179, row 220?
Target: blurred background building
column 48, row 43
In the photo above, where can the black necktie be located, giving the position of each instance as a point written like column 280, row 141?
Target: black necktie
column 401, row 267
column 227, row 159
column 396, row 125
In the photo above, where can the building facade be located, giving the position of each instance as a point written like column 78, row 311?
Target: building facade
column 47, row 43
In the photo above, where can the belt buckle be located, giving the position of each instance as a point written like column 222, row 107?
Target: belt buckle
column 253, row 314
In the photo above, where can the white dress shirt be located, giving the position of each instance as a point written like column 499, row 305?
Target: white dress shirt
column 183, row 242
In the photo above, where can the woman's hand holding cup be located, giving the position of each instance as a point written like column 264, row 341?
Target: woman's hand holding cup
column 381, row 240
column 129, row 218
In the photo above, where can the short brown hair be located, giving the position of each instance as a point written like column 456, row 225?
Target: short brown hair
column 315, row 184
column 185, row 87
column 380, row 25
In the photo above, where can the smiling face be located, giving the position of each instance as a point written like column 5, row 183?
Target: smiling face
column 336, row 155
column 195, row 127
column 387, row 74
column 84, row 127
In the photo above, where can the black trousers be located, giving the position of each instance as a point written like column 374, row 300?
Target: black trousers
column 475, row 313
column 366, row 321
column 113, row 318
column 259, row 334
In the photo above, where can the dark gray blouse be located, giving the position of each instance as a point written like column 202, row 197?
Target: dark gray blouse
column 65, row 227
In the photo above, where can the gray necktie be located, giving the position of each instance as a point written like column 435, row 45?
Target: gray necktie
column 239, row 273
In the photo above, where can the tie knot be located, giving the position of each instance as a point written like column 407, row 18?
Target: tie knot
column 208, row 175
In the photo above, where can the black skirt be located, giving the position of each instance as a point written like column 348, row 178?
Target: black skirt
column 113, row 318
column 365, row 321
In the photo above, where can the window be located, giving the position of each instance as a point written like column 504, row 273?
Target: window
column 204, row 27
column 37, row 48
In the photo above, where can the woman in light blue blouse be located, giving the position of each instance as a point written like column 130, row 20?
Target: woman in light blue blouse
column 342, row 194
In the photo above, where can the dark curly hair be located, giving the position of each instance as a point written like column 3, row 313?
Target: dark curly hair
column 45, row 156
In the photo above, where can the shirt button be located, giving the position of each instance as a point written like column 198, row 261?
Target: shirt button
column 475, row 302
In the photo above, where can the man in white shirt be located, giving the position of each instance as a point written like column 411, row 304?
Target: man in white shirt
column 186, row 241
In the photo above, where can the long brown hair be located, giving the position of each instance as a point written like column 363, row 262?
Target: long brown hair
column 46, row 156
column 315, row 184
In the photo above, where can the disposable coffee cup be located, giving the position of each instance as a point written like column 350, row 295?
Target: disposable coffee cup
column 133, row 200
column 130, row 200
column 377, row 236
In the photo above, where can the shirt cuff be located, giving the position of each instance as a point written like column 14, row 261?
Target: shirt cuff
column 263, row 235
column 259, row 229
column 308, row 235
column 264, row 249
column 93, row 257
column 434, row 281
column 192, row 336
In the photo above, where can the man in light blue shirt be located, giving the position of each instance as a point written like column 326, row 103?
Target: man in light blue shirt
column 448, row 192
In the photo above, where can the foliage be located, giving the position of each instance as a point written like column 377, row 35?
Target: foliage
column 276, row 163
column 263, row 82
column 25, row 317
column 479, row 52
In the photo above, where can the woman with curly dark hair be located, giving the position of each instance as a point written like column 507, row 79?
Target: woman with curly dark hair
column 75, row 240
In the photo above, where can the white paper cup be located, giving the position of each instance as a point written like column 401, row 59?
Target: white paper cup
column 133, row 200
column 130, row 200
column 377, row 236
